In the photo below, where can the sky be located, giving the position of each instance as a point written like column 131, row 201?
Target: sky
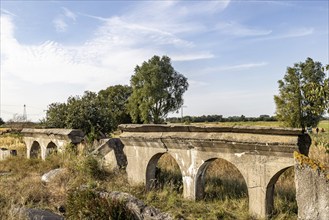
column 232, row 52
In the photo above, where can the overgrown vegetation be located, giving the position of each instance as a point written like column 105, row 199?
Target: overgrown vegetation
column 97, row 114
column 76, row 189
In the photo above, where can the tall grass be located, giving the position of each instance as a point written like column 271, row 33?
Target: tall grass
column 226, row 195
column 13, row 142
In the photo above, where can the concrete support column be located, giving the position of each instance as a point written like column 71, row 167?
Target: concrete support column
column 257, row 201
column 28, row 143
column 188, row 163
column 256, row 174
column 189, row 187
column 43, row 148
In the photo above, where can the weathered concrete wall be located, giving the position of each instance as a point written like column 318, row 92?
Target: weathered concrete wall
column 5, row 153
column 312, row 189
column 260, row 154
column 111, row 154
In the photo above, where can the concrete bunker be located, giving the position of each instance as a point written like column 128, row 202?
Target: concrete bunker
column 164, row 171
column 218, row 178
column 276, row 189
column 35, row 151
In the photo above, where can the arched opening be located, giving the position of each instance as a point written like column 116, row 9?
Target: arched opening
column 163, row 171
column 51, row 149
column 35, row 150
column 221, row 180
column 281, row 195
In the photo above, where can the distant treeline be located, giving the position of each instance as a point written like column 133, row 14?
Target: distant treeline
column 219, row 118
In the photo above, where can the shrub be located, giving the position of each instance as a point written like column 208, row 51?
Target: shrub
column 88, row 204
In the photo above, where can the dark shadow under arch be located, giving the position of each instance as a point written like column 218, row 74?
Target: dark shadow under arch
column 223, row 179
column 35, row 151
column 51, row 148
column 287, row 192
column 163, row 170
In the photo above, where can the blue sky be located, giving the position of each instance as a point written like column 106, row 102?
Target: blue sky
column 232, row 52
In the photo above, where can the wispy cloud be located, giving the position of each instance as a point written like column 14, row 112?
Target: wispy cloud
column 238, row 67
column 235, row 29
column 293, row 33
column 61, row 21
column 4, row 11
column 119, row 44
column 191, row 56
column 69, row 14
column 60, row 24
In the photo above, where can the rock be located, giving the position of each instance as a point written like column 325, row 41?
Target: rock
column 111, row 153
column 136, row 206
column 36, row 214
column 48, row 177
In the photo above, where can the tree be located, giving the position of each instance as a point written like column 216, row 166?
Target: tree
column 303, row 95
column 56, row 115
column 114, row 100
column 87, row 113
column 2, row 121
column 96, row 114
column 157, row 89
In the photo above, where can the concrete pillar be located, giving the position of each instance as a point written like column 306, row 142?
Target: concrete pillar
column 256, row 175
column 43, row 145
column 257, row 204
column 28, row 143
column 188, row 163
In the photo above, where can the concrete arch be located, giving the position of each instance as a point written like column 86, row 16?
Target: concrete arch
column 269, row 197
column 200, row 177
column 35, row 150
column 51, row 148
column 151, row 169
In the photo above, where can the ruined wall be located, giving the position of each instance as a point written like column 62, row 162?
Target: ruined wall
column 4, row 153
column 312, row 189
column 110, row 152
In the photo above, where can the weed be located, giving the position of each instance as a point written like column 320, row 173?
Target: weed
column 88, row 204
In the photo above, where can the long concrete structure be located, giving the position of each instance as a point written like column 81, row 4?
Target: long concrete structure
column 261, row 154
column 41, row 142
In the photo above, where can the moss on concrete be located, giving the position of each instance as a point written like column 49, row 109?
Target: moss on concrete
column 313, row 164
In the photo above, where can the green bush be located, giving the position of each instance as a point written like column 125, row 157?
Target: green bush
column 90, row 168
column 87, row 204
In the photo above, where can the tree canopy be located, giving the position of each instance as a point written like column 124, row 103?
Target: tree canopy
column 303, row 95
column 2, row 121
column 157, row 89
column 98, row 113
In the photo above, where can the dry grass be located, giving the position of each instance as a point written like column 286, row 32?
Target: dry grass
column 226, row 195
column 29, row 191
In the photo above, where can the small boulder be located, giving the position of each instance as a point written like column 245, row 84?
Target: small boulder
column 48, row 177
column 35, row 214
column 136, row 206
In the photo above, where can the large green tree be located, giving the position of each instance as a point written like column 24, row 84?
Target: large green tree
column 303, row 95
column 157, row 90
